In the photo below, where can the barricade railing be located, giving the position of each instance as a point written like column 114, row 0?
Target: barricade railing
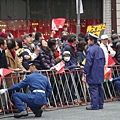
column 68, row 89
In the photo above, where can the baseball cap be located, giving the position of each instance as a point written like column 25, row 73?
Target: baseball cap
column 24, row 36
column 32, row 62
column 104, row 37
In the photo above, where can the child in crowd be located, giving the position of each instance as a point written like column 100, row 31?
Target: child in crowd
column 69, row 63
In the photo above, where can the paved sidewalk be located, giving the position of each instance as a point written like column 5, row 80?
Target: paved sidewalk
column 111, row 111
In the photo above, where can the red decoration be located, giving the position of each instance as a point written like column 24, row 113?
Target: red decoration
column 19, row 27
column 3, row 73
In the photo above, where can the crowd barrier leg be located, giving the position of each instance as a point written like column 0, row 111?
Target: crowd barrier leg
column 52, row 96
column 75, row 86
column 64, row 95
column 83, row 86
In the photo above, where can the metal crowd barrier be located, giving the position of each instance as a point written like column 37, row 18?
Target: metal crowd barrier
column 68, row 89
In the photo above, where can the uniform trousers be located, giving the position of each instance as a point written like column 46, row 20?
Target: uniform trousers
column 97, row 96
column 19, row 98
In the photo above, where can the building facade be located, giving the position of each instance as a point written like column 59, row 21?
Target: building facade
column 118, row 15
column 26, row 16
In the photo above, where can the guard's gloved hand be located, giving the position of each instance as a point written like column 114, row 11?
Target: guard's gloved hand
column 109, row 52
column 3, row 91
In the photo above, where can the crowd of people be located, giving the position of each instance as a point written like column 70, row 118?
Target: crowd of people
column 50, row 52
column 16, row 54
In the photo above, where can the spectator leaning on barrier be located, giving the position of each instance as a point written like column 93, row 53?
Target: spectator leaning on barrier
column 27, row 47
column 23, row 56
column 32, row 52
column 106, row 48
column 71, row 47
column 12, row 58
column 40, row 89
column 3, row 60
column 94, row 72
column 69, row 63
column 45, row 56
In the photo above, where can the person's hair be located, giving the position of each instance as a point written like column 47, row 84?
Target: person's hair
column 86, row 37
column 19, row 42
column 72, row 38
column 114, row 36
column 93, row 38
column 11, row 44
column 81, row 45
column 37, row 35
column 37, row 65
column 1, row 41
column 64, row 37
column 80, row 39
column 82, row 35
column 51, row 42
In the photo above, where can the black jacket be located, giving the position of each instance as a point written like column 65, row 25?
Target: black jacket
column 3, row 60
column 117, row 56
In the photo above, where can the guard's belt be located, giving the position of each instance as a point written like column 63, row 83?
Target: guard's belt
column 42, row 91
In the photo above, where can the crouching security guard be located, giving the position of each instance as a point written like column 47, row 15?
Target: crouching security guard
column 94, row 71
column 40, row 89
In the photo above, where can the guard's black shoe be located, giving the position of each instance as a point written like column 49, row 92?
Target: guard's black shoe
column 39, row 113
column 89, row 108
column 20, row 114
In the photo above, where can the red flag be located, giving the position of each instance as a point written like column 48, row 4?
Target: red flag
column 111, row 61
column 107, row 73
column 60, row 67
column 3, row 73
column 58, row 23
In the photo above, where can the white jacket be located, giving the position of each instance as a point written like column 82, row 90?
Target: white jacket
column 112, row 52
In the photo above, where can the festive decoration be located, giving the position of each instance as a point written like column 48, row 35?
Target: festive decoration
column 19, row 27
column 3, row 73
column 58, row 23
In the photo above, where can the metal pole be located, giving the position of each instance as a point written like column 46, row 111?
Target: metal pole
column 78, row 18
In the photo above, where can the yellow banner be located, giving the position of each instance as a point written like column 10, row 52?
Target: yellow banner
column 97, row 29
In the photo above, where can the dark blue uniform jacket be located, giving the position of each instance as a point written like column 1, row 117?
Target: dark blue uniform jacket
column 94, row 67
column 36, row 81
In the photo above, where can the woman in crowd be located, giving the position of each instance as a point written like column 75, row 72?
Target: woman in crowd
column 52, row 44
column 12, row 59
column 81, row 48
column 45, row 57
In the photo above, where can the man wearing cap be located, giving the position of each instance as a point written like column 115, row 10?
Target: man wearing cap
column 94, row 72
column 40, row 89
column 106, row 48
column 27, row 45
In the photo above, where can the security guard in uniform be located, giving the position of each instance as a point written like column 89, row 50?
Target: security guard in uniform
column 94, row 72
column 40, row 89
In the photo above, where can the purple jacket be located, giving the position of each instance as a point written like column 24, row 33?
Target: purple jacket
column 46, row 59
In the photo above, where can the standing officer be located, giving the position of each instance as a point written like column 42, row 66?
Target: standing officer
column 94, row 72
column 40, row 89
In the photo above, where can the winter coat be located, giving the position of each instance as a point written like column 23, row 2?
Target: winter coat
column 94, row 66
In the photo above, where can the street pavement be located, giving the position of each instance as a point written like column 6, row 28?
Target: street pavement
column 111, row 111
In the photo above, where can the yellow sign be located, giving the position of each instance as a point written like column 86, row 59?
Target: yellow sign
column 97, row 29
